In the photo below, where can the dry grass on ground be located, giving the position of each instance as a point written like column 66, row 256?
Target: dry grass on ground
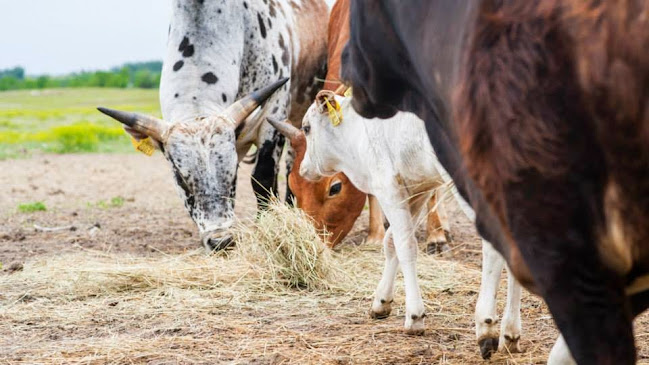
column 131, row 292
column 239, row 307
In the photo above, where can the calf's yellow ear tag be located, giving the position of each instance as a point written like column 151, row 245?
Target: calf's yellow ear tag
column 335, row 115
column 144, row 145
column 348, row 92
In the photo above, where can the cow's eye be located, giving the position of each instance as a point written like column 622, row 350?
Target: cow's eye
column 335, row 188
column 306, row 129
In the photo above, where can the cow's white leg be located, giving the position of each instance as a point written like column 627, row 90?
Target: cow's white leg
column 383, row 297
column 560, row 354
column 403, row 233
column 485, row 311
column 510, row 330
column 407, row 254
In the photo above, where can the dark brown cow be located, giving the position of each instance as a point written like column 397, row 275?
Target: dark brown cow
column 540, row 112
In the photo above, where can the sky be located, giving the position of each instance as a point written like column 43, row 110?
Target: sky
column 61, row 36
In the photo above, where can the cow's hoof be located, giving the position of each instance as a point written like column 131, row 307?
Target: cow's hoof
column 380, row 314
column 415, row 331
column 381, row 309
column 511, row 343
column 415, row 325
column 434, row 248
column 488, row 346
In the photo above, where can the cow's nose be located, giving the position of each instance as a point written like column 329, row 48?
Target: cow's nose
column 213, row 243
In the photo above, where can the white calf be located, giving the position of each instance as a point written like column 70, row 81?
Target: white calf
column 393, row 160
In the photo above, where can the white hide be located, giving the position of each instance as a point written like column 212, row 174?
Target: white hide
column 217, row 52
column 560, row 354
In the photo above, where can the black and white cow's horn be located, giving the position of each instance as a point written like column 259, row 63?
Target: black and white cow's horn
column 241, row 109
column 285, row 128
column 145, row 124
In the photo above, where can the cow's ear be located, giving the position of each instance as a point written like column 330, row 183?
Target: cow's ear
column 138, row 136
column 322, row 98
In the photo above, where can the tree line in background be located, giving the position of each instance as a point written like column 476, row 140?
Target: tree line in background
column 144, row 75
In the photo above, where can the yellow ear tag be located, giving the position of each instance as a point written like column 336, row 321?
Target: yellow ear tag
column 144, row 145
column 335, row 115
column 348, row 92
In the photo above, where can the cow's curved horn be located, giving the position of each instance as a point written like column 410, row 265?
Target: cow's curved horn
column 145, row 124
column 285, row 128
column 240, row 110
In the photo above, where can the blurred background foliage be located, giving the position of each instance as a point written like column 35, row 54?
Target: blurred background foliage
column 65, row 120
column 57, row 114
column 145, row 75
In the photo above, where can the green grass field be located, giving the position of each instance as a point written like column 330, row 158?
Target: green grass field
column 66, row 121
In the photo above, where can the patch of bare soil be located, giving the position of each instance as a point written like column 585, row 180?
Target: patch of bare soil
column 113, row 203
column 150, row 318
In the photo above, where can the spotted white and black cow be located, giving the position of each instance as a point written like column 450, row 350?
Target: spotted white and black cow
column 218, row 51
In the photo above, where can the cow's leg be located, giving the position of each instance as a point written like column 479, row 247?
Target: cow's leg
column 377, row 230
column 402, row 227
column 264, row 177
column 486, row 319
column 436, row 237
column 406, row 247
column 510, row 330
column 383, row 297
column 560, row 354
column 443, row 216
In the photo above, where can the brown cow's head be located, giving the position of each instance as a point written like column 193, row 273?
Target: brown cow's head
column 333, row 202
column 203, row 158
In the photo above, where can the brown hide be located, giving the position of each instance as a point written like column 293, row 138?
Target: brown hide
column 571, row 92
column 336, row 213
column 337, row 36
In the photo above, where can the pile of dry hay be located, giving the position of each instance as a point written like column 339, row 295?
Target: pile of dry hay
column 283, row 241
column 244, row 306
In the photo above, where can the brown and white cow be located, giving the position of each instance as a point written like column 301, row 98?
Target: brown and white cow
column 539, row 110
column 333, row 202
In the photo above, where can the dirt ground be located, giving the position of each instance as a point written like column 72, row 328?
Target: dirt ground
column 152, row 223
column 151, row 219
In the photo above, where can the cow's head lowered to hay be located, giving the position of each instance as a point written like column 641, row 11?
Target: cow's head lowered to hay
column 333, row 202
column 203, row 156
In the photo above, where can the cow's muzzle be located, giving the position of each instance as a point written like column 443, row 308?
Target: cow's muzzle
column 218, row 242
